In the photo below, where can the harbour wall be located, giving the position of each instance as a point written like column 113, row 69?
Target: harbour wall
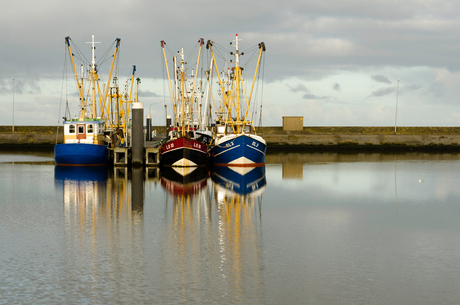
column 311, row 138
column 31, row 135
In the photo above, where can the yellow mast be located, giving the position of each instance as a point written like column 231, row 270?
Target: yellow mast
column 201, row 42
column 94, row 77
column 231, row 98
column 80, row 89
column 169, row 79
column 110, row 76
column 262, row 49
column 209, row 46
column 182, row 77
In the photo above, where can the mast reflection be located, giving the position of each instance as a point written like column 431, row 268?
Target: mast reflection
column 214, row 230
column 103, row 213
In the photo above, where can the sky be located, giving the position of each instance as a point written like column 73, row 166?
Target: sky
column 336, row 63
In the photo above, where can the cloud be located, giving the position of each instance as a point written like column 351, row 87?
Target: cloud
column 383, row 91
column 298, row 88
column 308, row 95
column 148, row 93
column 358, row 44
column 381, row 79
column 21, row 86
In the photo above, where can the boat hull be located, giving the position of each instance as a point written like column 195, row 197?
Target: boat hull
column 76, row 154
column 183, row 152
column 239, row 150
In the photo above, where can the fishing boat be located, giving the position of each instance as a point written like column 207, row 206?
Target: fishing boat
column 236, row 142
column 186, row 143
column 87, row 137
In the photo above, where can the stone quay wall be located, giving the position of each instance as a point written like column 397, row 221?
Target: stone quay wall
column 359, row 138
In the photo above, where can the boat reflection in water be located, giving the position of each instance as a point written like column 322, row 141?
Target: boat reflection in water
column 246, row 181
column 212, row 236
column 103, row 217
column 183, row 181
column 204, row 241
column 84, row 190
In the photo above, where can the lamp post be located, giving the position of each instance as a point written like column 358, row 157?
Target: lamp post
column 13, row 104
column 396, row 114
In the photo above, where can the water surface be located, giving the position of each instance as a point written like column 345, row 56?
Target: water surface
column 320, row 228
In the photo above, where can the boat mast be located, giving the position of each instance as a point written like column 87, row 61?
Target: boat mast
column 80, row 89
column 261, row 49
column 201, row 42
column 163, row 43
column 221, row 84
column 208, row 88
column 183, row 79
column 110, row 77
column 94, row 76
column 237, row 81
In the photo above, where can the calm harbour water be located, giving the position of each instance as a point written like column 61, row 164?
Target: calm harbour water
column 319, row 228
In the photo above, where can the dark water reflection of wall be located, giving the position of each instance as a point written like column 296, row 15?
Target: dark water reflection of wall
column 293, row 162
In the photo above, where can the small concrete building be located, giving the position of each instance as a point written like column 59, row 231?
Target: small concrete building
column 292, row 123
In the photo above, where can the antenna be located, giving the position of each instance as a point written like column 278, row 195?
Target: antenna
column 93, row 61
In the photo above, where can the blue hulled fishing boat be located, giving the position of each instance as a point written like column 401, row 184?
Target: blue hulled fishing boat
column 236, row 142
column 85, row 143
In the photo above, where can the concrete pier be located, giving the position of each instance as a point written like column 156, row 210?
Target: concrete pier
column 120, row 156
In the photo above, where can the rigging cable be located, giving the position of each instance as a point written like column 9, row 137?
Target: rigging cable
column 163, row 75
column 106, row 56
column 262, row 93
column 62, row 89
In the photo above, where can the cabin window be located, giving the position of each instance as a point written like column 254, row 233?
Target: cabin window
column 81, row 129
column 220, row 129
column 247, row 129
column 71, row 128
column 90, row 128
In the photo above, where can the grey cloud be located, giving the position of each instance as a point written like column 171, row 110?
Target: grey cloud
column 383, row 91
column 336, row 87
column 380, row 36
column 21, row 86
column 437, row 89
column 381, row 79
column 298, row 88
column 413, row 87
column 148, row 94
column 309, row 96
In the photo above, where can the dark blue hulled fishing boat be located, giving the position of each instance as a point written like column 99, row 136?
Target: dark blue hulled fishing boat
column 84, row 136
column 236, row 142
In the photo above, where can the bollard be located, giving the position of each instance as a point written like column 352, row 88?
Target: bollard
column 149, row 128
column 138, row 135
